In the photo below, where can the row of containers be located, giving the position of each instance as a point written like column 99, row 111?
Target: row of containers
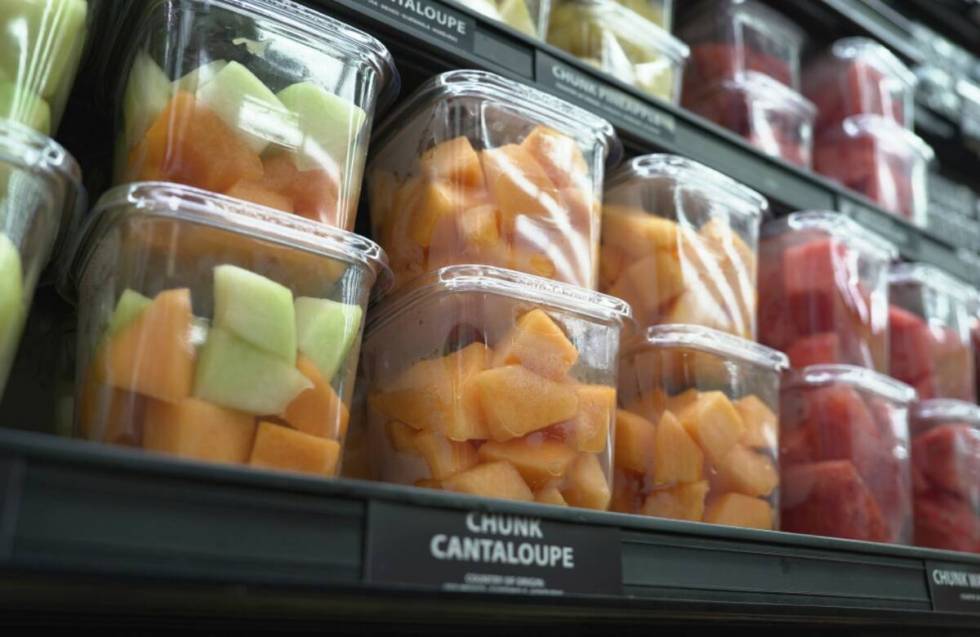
column 531, row 329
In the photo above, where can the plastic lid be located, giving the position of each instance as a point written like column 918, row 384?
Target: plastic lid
column 870, row 52
column 554, row 112
column 931, row 277
column 708, row 340
column 761, row 87
column 26, row 149
column 485, row 279
column 859, row 378
column 632, row 26
column 689, row 173
column 838, row 226
column 947, row 410
column 888, row 133
column 183, row 203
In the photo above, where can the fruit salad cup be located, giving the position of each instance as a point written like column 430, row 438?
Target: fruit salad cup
column 844, row 457
column 475, row 168
column 527, row 16
column 264, row 100
column 823, row 290
column 212, row 330
column 622, row 43
column 679, row 244
column 41, row 45
column 879, row 159
column 495, row 383
column 946, row 474
column 859, row 76
column 697, row 432
column 929, row 324
column 771, row 116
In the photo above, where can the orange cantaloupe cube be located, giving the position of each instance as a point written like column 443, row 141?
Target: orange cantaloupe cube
column 651, row 283
column 153, row 355
column 540, row 463
column 454, row 161
column 198, row 429
column 735, row 509
column 681, row 502
column 318, row 410
column 438, row 201
column 108, row 414
column 491, row 480
column 586, row 485
column 761, row 423
column 738, row 265
column 635, row 437
column 636, row 233
column 313, row 193
column 539, row 344
column 508, row 407
column 427, row 483
column 518, row 184
column 676, row 456
column 559, row 155
column 747, row 472
column 550, row 495
column 531, row 262
column 278, row 447
column 678, row 402
column 401, row 436
column 479, row 227
column 612, row 264
column 258, row 193
column 444, row 457
column 714, row 423
column 649, row 404
column 596, row 410
column 465, row 420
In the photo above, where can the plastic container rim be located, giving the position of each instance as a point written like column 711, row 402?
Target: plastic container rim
column 840, row 227
column 939, row 410
column 888, row 132
column 30, row 150
column 931, row 277
column 645, row 30
column 709, row 341
column 861, row 48
column 859, row 378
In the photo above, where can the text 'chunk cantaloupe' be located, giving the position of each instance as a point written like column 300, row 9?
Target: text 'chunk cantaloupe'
column 197, row 429
column 278, row 447
column 539, row 462
column 516, row 401
column 491, row 480
column 539, row 344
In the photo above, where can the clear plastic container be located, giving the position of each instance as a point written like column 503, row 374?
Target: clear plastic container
column 475, row 168
column 215, row 330
column 697, row 433
column 495, row 383
column 262, row 100
column 660, row 12
column 527, row 16
column 879, row 159
column 946, row 474
column 41, row 45
column 679, row 243
column 823, row 290
column 929, row 325
column 625, row 45
column 859, row 76
column 844, row 454
column 772, row 117
column 730, row 37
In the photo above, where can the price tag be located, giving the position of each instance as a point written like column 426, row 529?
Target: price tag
column 430, row 18
column 954, row 588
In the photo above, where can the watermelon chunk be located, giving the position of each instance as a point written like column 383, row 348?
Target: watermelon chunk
column 813, row 275
column 910, row 345
column 830, row 498
column 816, row 349
column 948, row 456
column 946, row 522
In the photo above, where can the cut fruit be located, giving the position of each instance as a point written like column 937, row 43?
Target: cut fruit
column 444, row 457
column 735, row 509
column 682, row 502
column 713, row 421
column 492, row 480
column 455, row 162
column 558, row 154
column 506, row 398
column 550, row 495
column 148, row 92
column 596, row 409
column 196, row 79
column 258, row 193
column 401, row 436
column 108, row 414
column 330, row 126
column 43, row 44
column 518, row 184
column 539, row 344
column 747, row 472
column 635, row 439
column 130, row 305
column 676, row 458
column 196, row 429
column 12, row 302
column 20, row 105
column 539, row 463
column 278, row 447
column 586, row 485
column 761, row 423
column 830, row 498
column 325, row 331
column 317, row 411
column 255, row 309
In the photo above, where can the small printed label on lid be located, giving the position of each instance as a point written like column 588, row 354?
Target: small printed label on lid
column 954, row 588
column 430, row 18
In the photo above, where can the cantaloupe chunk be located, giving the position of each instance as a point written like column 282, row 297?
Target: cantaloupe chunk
column 761, row 424
column 506, row 398
column 735, row 509
column 612, row 264
column 747, row 472
column 532, row 262
column 278, row 447
column 491, row 480
column 637, row 233
column 539, row 462
column 559, row 155
column 454, row 161
column 401, row 436
column 444, row 457
column 650, row 404
column 318, row 410
column 650, row 283
column 197, row 429
column 586, row 485
column 681, row 502
column 314, row 193
column 596, row 409
column 714, row 423
column 738, row 265
column 635, row 438
column 108, row 414
column 439, row 200
column 550, row 495
column 539, row 344
column 678, row 402
column 676, row 457
column 257, row 192
column 153, row 355
column 425, row 483
column 518, row 184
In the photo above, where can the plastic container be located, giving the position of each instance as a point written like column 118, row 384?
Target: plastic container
column 946, row 474
column 660, row 12
column 495, row 383
column 263, row 100
column 475, row 168
column 772, row 117
column 679, row 243
column 858, row 76
column 215, row 330
column 41, row 45
column 625, row 45
column 823, row 290
column 731, row 37
column 879, row 159
column 697, row 432
column 929, row 322
column 844, row 454
column 527, row 16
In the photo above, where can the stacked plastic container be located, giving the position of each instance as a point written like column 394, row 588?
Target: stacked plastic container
column 864, row 95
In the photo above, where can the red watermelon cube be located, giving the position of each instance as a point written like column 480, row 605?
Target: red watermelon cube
column 948, row 457
column 816, row 349
column 830, row 498
column 946, row 522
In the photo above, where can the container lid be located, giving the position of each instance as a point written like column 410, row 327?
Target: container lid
column 859, row 378
column 631, row 26
column 931, row 277
column 183, row 203
column 888, row 133
column 550, row 110
column 874, row 54
column 946, row 410
column 838, row 226
column 689, row 173
column 710, row 341
column 485, row 279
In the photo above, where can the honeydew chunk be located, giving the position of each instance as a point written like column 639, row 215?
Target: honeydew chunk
column 325, row 331
column 42, row 42
column 515, row 13
column 329, row 125
column 130, row 305
column 21, row 105
column 11, row 296
column 148, row 91
column 255, row 309
column 194, row 80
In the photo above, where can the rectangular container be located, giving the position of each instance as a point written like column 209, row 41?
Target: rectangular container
column 530, row 17
column 478, row 169
column 929, row 322
column 697, row 432
column 265, row 100
column 679, row 243
column 844, row 454
column 823, row 290
column 213, row 331
column 495, row 383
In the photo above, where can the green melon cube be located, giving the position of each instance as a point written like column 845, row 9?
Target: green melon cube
column 41, row 42
column 325, row 331
column 196, row 79
column 11, row 298
column 255, row 309
column 22, row 106
column 130, row 305
column 329, row 125
column 148, row 92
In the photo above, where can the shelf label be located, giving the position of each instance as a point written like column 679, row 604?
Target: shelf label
column 602, row 98
column 483, row 552
column 954, row 588
column 430, row 18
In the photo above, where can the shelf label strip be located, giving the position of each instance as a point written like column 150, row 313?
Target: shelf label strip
column 954, row 588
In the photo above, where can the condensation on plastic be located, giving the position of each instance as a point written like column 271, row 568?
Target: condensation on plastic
column 527, row 16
